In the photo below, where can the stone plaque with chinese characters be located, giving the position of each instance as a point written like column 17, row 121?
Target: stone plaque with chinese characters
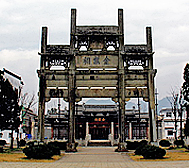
column 96, row 61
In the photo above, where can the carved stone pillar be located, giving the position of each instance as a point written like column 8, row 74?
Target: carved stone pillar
column 71, row 147
column 130, row 130
column 42, row 87
column 121, row 108
column 112, row 128
column 41, row 108
column 121, row 86
column 152, row 116
column 71, row 132
column 151, row 90
column 87, row 128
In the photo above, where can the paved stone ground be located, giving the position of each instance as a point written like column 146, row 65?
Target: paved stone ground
column 96, row 157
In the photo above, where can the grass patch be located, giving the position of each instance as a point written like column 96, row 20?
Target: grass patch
column 180, row 149
column 21, row 157
column 8, row 150
column 170, row 156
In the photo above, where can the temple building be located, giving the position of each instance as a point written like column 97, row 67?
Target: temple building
column 97, row 121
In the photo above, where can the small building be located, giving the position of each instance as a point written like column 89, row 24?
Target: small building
column 6, row 135
column 28, row 122
column 167, row 123
column 25, row 130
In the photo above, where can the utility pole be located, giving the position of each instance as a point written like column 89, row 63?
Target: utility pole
column 76, row 124
column 156, row 104
column 175, row 113
column 180, row 112
column 138, row 110
column 58, row 118
column 181, row 107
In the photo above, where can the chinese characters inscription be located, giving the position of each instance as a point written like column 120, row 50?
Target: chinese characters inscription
column 96, row 61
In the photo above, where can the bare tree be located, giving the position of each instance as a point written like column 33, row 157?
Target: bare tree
column 28, row 100
column 173, row 100
column 180, row 111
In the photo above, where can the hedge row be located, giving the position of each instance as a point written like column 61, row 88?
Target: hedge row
column 150, row 152
column 41, row 150
column 132, row 145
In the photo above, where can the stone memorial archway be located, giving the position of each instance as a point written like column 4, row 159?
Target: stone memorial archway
column 92, row 69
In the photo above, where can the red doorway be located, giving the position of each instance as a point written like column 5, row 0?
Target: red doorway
column 99, row 132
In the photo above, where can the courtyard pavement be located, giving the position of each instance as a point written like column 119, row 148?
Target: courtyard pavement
column 96, row 157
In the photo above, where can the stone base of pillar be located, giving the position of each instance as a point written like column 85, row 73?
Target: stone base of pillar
column 122, row 147
column 71, row 147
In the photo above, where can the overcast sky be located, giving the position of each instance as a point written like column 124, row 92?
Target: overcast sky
column 21, row 23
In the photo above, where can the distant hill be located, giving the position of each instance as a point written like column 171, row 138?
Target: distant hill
column 164, row 103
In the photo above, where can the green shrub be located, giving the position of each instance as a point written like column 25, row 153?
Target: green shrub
column 139, row 150
column 2, row 142
column 31, row 143
column 76, row 144
column 1, row 149
column 150, row 152
column 40, row 151
column 164, row 143
column 132, row 145
column 135, row 144
column 179, row 142
column 153, row 152
column 22, row 142
column 143, row 142
column 55, row 149
column 60, row 145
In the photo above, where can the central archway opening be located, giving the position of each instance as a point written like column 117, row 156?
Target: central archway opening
column 100, row 116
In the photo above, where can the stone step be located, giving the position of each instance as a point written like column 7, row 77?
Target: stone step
column 99, row 143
